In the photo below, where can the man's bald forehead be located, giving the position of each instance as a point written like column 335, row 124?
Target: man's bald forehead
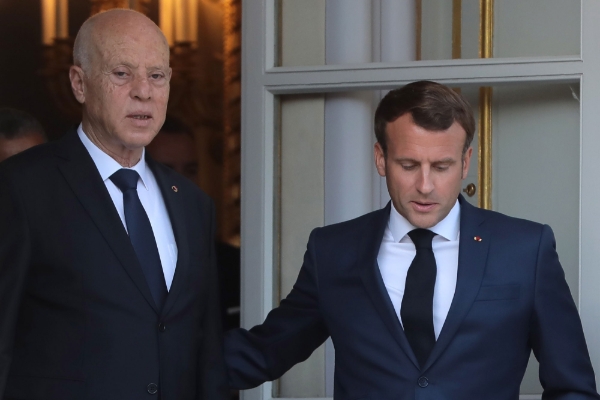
column 105, row 23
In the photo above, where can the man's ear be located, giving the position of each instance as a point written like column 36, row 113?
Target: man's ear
column 77, row 85
column 379, row 159
column 466, row 162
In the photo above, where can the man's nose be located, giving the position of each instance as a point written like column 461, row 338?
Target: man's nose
column 141, row 88
column 425, row 183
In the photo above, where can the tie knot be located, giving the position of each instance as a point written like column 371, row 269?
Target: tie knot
column 422, row 237
column 125, row 179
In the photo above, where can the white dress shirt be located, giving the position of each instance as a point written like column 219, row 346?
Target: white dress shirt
column 150, row 197
column 397, row 252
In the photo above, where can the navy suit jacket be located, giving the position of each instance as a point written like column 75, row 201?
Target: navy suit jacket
column 77, row 319
column 511, row 297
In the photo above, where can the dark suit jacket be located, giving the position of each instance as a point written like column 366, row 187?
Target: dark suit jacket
column 77, row 319
column 511, row 297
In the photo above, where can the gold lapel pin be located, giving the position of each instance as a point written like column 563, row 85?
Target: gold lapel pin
column 477, row 239
column 174, row 188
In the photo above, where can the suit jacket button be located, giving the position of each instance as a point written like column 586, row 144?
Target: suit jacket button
column 423, row 382
column 162, row 327
column 152, row 388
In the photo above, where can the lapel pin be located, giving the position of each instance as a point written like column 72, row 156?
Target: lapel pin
column 477, row 239
column 174, row 188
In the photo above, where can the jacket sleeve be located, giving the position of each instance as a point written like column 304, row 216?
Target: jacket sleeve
column 289, row 335
column 212, row 381
column 556, row 333
column 15, row 252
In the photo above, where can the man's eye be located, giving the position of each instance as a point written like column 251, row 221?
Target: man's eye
column 157, row 76
column 120, row 74
column 441, row 167
column 408, row 167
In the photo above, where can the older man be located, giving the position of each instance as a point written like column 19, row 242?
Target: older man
column 107, row 264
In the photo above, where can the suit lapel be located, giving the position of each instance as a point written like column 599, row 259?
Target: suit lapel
column 472, row 255
column 83, row 177
column 174, row 201
column 373, row 282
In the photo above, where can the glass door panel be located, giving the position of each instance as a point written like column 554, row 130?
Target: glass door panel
column 535, row 164
column 316, row 32
column 536, row 170
column 533, row 28
column 537, row 28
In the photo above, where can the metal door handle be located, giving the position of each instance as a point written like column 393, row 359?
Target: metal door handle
column 470, row 190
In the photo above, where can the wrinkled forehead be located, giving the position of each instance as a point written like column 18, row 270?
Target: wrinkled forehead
column 131, row 43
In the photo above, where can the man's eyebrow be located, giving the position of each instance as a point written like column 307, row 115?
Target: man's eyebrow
column 447, row 160
column 132, row 66
column 406, row 159
column 110, row 66
column 158, row 67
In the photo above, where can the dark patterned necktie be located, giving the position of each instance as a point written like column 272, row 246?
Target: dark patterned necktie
column 141, row 235
column 417, row 302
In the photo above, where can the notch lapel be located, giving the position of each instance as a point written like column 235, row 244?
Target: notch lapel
column 472, row 256
column 176, row 208
column 80, row 172
column 373, row 282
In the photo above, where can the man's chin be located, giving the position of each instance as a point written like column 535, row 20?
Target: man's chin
column 137, row 140
column 424, row 225
column 423, row 221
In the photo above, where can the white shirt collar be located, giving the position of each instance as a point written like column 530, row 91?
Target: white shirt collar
column 106, row 164
column 448, row 228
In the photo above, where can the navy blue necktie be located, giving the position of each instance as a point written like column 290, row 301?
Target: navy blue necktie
column 417, row 302
column 141, row 235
